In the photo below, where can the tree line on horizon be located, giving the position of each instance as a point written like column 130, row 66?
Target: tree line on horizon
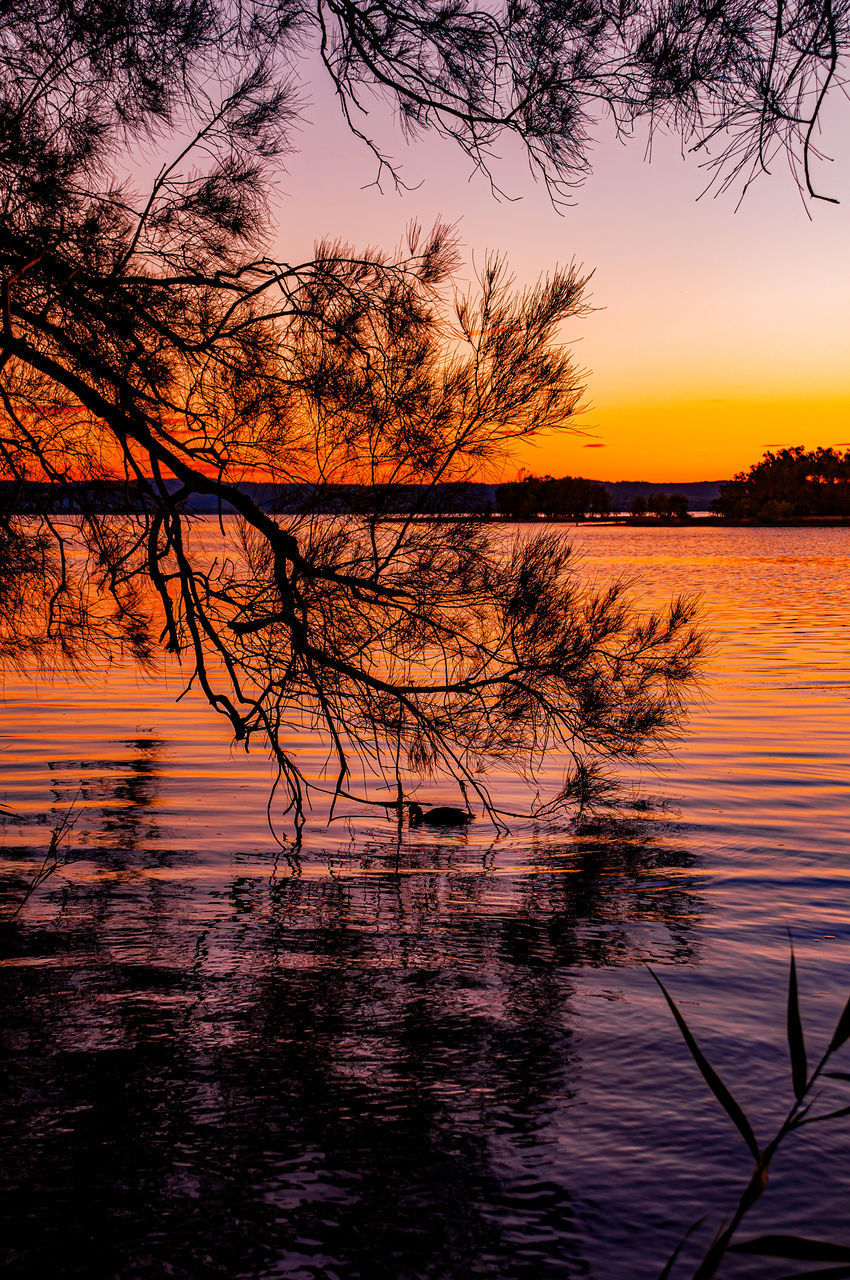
column 787, row 485
column 551, row 498
column 530, row 498
column 790, row 484
column 577, row 498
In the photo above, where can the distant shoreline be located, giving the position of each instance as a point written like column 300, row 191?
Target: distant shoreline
column 451, row 501
column 628, row 521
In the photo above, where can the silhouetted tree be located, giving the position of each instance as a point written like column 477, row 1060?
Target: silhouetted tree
column 567, row 498
column 153, row 336
column 519, row 499
column 789, row 484
column 668, row 506
column 573, row 497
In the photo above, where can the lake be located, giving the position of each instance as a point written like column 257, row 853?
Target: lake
column 444, row 1058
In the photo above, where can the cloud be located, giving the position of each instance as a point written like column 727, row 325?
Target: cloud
column 593, row 446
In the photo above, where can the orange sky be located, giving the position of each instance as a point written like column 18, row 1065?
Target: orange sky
column 720, row 333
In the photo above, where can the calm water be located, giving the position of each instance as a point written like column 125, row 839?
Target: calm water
column 443, row 1060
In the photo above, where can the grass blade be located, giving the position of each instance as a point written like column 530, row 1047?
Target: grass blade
column 671, row 1261
column 796, row 1043
column 712, row 1079
column 799, row 1247
column 829, row 1115
column 838, row 1075
column 842, row 1031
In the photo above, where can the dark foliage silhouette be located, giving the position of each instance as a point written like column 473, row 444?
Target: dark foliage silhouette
column 789, row 484
column 566, row 498
column 663, row 506
column 146, row 331
column 53, row 606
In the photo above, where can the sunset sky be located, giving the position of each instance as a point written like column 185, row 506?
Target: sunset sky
column 720, row 333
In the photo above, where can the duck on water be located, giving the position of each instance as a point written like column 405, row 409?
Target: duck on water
column 445, row 815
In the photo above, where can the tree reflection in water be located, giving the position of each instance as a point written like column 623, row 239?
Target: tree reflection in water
column 369, row 1069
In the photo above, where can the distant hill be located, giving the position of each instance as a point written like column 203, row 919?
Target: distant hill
column 700, row 494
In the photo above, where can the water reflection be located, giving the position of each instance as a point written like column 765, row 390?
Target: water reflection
column 439, row 1057
column 367, row 1069
column 115, row 796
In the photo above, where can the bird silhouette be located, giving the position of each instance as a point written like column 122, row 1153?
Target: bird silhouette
column 445, row 815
